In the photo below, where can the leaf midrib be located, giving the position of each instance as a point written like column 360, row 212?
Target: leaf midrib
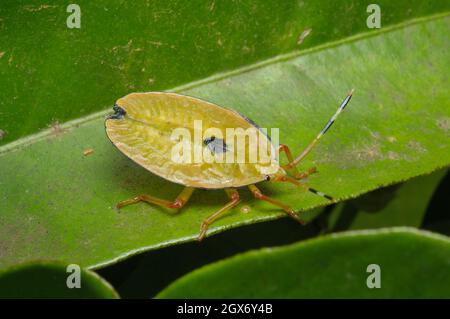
column 44, row 134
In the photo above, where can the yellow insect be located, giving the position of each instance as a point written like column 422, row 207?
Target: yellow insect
column 143, row 126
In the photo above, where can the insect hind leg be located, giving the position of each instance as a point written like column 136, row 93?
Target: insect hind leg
column 177, row 203
column 234, row 200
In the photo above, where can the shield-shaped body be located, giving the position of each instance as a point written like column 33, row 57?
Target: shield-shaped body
column 190, row 141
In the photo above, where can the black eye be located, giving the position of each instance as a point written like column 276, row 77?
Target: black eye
column 118, row 112
column 267, row 178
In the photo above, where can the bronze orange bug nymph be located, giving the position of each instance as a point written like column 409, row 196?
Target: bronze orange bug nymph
column 142, row 125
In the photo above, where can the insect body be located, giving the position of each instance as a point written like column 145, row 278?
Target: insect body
column 143, row 127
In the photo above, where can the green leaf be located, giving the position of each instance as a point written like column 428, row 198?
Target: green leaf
column 58, row 204
column 42, row 279
column 148, row 273
column 397, row 205
column 50, row 73
column 333, row 266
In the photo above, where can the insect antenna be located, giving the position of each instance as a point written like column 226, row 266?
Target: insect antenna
column 322, row 132
column 291, row 180
column 312, row 190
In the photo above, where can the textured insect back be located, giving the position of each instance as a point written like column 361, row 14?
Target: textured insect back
column 184, row 140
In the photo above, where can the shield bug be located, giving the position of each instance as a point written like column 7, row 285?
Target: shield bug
column 142, row 127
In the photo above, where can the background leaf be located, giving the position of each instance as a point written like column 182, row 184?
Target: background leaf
column 42, row 279
column 58, row 204
column 397, row 205
column 147, row 273
column 329, row 267
column 51, row 73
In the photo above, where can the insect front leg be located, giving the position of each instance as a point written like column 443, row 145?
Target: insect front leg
column 259, row 195
column 293, row 169
column 177, row 203
column 235, row 199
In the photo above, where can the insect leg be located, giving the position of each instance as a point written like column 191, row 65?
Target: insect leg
column 234, row 196
column 298, row 183
column 177, row 203
column 284, row 148
column 297, row 174
column 257, row 193
column 324, row 130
